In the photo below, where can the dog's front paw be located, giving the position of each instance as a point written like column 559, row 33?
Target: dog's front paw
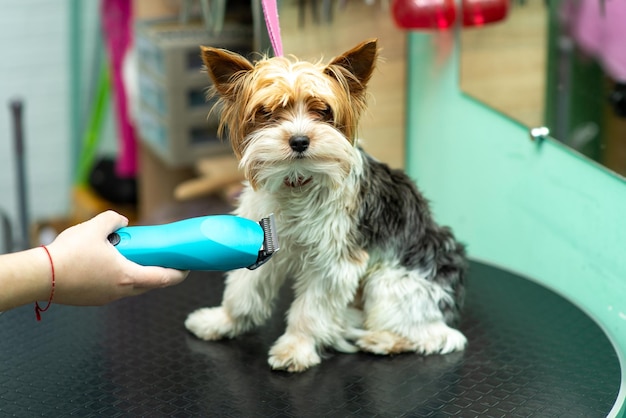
column 210, row 323
column 294, row 353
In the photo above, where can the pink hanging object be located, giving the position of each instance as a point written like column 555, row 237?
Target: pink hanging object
column 599, row 29
column 270, row 12
column 117, row 25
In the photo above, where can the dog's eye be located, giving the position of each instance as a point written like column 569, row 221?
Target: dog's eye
column 325, row 114
column 263, row 114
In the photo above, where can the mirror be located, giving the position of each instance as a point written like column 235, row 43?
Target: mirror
column 559, row 64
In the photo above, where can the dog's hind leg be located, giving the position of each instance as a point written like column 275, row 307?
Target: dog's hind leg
column 403, row 313
column 247, row 303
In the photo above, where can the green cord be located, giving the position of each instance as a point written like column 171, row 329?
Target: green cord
column 92, row 133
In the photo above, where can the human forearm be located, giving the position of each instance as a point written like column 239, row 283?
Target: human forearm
column 88, row 270
column 25, row 277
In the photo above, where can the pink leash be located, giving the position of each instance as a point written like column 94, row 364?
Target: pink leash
column 270, row 11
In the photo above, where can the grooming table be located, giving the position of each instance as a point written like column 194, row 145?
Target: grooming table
column 530, row 353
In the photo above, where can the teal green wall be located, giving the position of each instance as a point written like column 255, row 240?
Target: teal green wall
column 539, row 210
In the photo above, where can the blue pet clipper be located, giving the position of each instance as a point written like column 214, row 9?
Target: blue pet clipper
column 218, row 242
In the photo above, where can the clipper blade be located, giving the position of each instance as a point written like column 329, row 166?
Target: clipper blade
column 270, row 241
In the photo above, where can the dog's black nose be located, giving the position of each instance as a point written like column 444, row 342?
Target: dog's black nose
column 299, row 143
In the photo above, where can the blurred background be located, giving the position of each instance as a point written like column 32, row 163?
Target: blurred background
column 113, row 107
column 104, row 102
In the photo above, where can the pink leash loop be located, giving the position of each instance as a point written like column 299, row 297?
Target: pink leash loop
column 270, row 12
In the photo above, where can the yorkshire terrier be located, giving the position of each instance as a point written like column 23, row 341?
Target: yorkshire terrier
column 371, row 269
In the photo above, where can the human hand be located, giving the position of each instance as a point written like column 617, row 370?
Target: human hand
column 90, row 271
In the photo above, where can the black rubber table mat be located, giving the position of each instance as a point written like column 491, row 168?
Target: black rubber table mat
column 530, row 354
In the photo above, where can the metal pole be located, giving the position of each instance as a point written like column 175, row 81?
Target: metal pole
column 7, row 233
column 18, row 133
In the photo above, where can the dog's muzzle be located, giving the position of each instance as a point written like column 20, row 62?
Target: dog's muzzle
column 299, row 182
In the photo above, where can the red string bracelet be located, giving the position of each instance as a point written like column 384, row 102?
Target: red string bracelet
column 37, row 307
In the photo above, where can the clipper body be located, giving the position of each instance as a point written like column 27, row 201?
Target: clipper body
column 219, row 242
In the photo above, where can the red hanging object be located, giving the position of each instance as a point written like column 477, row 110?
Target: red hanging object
column 424, row 14
column 482, row 12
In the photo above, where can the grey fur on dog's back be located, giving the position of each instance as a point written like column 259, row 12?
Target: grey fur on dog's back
column 396, row 217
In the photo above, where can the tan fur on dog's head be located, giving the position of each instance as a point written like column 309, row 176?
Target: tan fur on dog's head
column 252, row 96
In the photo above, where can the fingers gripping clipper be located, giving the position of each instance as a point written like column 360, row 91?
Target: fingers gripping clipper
column 218, row 242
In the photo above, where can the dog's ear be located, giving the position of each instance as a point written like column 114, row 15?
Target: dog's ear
column 359, row 61
column 223, row 67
